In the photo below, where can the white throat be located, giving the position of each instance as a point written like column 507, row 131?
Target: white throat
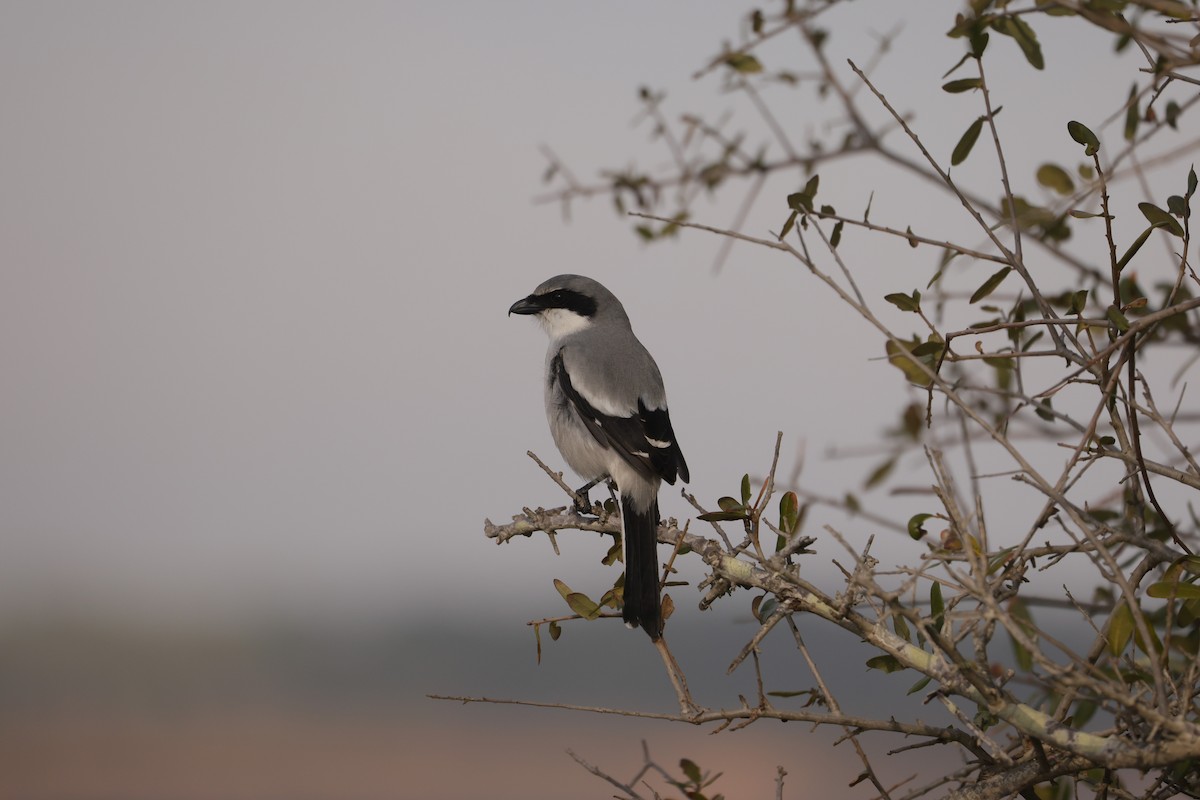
column 559, row 322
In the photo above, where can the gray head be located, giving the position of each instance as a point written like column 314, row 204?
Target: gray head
column 567, row 304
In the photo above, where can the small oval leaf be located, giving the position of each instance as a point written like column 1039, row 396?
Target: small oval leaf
column 966, row 142
column 916, row 525
column 789, row 512
column 1117, row 318
column 880, row 473
column 721, row 516
column 1120, row 629
column 1055, row 177
column 1024, row 36
column 1082, row 134
column 990, row 284
column 729, row 504
column 903, row 301
column 887, row 663
column 583, row 605
column 1182, row 591
column 743, row 62
column 1161, row 219
column 937, row 607
column 962, row 85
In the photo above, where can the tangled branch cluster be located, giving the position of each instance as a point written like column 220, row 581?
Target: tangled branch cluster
column 1114, row 500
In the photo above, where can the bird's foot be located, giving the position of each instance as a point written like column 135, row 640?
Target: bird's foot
column 583, row 504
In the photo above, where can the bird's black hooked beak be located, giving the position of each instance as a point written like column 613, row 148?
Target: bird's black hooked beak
column 527, row 305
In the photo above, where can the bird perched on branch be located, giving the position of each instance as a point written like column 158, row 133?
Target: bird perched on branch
column 607, row 410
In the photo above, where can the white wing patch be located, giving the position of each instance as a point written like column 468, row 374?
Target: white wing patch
column 659, row 443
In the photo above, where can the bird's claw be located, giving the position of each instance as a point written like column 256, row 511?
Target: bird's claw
column 583, row 504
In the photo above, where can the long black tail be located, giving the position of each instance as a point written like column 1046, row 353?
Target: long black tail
column 642, row 603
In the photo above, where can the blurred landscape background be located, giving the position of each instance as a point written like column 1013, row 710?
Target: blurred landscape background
column 260, row 394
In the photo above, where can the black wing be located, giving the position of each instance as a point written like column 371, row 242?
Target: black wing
column 644, row 440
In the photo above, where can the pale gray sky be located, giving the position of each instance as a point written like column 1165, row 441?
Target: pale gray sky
column 255, row 260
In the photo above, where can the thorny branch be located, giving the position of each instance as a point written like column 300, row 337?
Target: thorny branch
column 1080, row 443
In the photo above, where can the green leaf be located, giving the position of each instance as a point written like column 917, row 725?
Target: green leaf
column 966, row 142
column 728, row 503
column 985, row 719
column 1132, row 117
column 789, row 224
column 1156, row 644
column 1120, row 629
column 555, row 630
column 1043, row 410
column 1055, row 177
column 1133, row 248
column 918, row 686
column 835, row 238
column 1082, row 134
column 743, row 62
column 722, row 516
column 789, row 513
column 1182, row 591
column 879, row 474
column 901, row 357
column 901, row 628
column 810, row 187
column 978, row 40
column 1078, row 302
column 1172, row 114
column 766, row 609
column 916, row 525
column 1178, row 206
column 903, row 301
column 746, row 489
column 887, row 663
column 691, row 770
column 1191, row 182
column 1084, row 711
column 1117, row 318
column 1024, row 36
column 937, row 609
column 990, row 284
column 962, row 85
column 928, row 351
column 803, row 200
column 580, row 603
column 1161, row 219
column 1000, row 362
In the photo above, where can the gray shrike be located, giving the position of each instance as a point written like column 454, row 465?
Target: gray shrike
column 607, row 410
